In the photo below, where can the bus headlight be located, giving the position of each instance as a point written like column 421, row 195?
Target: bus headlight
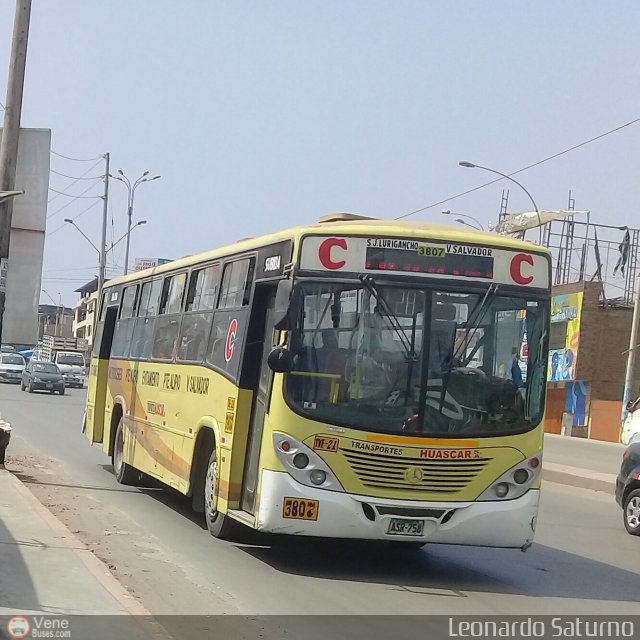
column 304, row 464
column 515, row 482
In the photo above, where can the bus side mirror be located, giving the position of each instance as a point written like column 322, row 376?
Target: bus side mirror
column 282, row 306
column 280, row 360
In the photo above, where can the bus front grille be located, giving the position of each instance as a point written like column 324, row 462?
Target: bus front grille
column 444, row 477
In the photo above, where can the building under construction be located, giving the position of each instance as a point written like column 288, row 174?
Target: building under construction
column 595, row 277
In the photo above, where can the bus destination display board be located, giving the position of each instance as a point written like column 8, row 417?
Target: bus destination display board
column 410, row 256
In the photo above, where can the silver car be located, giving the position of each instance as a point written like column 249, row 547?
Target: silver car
column 11, row 367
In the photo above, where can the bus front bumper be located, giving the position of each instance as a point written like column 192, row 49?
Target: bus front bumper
column 508, row 523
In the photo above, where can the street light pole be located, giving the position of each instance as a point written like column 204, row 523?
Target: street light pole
column 11, row 131
column 470, row 165
column 631, row 356
column 103, row 238
column 131, row 192
column 88, row 239
column 447, row 212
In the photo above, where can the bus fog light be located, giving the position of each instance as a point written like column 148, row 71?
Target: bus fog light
column 521, row 476
column 300, row 460
column 318, row 476
column 501, row 489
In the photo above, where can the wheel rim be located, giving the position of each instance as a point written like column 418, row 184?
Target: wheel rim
column 210, row 490
column 633, row 512
column 117, row 452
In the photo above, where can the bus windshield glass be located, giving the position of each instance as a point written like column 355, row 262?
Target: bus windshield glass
column 419, row 361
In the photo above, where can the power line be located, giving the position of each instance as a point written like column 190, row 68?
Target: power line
column 64, row 175
column 62, row 226
column 57, row 211
column 530, row 166
column 61, row 155
column 71, row 195
column 91, row 168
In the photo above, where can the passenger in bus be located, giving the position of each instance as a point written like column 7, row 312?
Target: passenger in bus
column 332, row 360
column 193, row 341
column 164, row 343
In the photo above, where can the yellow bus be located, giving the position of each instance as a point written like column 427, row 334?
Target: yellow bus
column 354, row 378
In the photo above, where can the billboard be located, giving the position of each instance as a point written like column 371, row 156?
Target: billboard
column 564, row 336
column 149, row 263
column 26, row 248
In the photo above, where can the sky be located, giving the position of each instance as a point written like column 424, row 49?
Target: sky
column 263, row 115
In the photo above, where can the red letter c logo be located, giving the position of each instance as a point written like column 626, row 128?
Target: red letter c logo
column 324, row 253
column 516, row 268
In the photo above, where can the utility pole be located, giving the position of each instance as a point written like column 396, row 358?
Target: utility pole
column 11, row 130
column 103, row 240
column 631, row 356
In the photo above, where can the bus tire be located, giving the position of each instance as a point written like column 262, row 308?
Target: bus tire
column 218, row 524
column 125, row 473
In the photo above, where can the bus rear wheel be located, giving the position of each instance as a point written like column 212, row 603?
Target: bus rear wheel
column 125, row 473
column 218, row 524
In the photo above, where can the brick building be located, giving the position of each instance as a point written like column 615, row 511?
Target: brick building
column 588, row 355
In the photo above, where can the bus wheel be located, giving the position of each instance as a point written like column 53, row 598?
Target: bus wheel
column 125, row 473
column 219, row 525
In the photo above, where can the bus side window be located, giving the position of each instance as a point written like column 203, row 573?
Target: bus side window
column 125, row 323
column 147, row 309
column 235, row 293
column 97, row 338
column 201, row 297
column 167, row 326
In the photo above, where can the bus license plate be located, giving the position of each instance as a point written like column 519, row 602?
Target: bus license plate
column 300, row 509
column 401, row 527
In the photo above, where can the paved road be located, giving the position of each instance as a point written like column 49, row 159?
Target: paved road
column 583, row 560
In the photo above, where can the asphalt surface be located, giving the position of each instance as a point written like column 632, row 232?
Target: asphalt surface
column 583, row 561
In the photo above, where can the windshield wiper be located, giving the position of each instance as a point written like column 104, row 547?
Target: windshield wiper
column 383, row 306
column 476, row 316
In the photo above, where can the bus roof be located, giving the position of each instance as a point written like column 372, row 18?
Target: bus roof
column 372, row 227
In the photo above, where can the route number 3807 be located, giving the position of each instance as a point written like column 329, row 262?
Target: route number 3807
column 431, row 252
column 300, row 509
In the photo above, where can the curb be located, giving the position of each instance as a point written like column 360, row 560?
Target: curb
column 579, row 478
column 96, row 567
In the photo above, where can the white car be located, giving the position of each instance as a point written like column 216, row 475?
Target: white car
column 11, row 367
column 631, row 426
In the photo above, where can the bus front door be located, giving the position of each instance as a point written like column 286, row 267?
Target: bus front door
column 98, row 376
column 259, row 344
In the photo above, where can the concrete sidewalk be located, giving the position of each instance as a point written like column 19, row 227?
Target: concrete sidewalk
column 46, row 571
column 588, row 464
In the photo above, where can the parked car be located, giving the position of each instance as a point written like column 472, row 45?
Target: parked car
column 11, row 367
column 631, row 425
column 628, row 488
column 42, row 376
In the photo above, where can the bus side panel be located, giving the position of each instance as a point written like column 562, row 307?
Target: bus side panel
column 96, row 401
column 233, row 444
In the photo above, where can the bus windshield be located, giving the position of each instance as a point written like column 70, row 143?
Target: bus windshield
column 415, row 360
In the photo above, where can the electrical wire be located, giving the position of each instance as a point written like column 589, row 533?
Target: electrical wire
column 57, row 211
column 513, row 173
column 61, row 155
column 91, row 168
column 64, row 175
column 71, row 195
column 62, row 226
